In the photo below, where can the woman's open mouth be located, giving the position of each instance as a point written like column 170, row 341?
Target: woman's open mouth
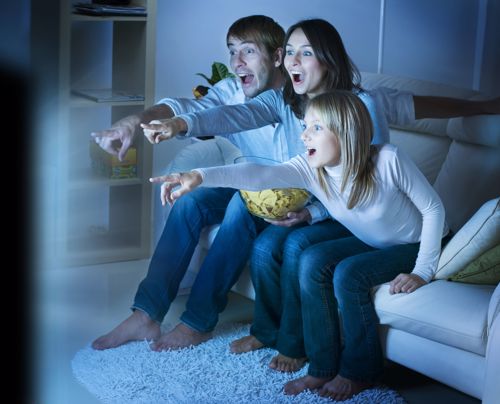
column 310, row 152
column 297, row 77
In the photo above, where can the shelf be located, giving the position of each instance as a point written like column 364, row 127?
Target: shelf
column 82, row 102
column 84, row 178
column 90, row 256
column 83, row 17
column 99, row 243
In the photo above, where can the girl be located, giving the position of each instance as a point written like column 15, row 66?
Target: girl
column 316, row 61
column 395, row 218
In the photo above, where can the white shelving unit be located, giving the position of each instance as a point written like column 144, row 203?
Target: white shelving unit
column 100, row 219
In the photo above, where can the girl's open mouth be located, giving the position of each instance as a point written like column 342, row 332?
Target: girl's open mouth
column 311, row 152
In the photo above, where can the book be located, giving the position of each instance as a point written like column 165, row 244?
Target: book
column 103, row 10
column 108, row 95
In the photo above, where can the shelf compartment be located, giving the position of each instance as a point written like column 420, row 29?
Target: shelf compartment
column 102, row 221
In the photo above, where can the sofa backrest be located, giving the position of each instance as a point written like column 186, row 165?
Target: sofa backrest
column 459, row 156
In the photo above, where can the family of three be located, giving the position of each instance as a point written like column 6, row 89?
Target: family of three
column 296, row 99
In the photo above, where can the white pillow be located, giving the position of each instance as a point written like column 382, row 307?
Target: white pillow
column 477, row 129
column 470, row 175
column 478, row 235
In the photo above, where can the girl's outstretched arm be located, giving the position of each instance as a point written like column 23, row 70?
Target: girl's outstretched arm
column 186, row 181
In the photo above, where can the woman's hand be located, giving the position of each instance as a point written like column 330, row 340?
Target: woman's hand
column 157, row 131
column 186, row 182
column 292, row 218
column 405, row 283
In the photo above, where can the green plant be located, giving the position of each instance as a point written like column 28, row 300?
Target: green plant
column 219, row 72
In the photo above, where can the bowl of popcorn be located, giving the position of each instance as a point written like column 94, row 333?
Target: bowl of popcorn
column 274, row 203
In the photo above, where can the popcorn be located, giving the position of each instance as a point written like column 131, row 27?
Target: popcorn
column 275, row 203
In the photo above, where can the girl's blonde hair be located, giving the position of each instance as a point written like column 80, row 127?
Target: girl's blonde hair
column 347, row 117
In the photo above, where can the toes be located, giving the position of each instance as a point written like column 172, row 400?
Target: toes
column 155, row 346
column 274, row 363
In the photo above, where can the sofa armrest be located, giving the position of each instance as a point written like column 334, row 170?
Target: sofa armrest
column 494, row 307
column 207, row 153
column 491, row 390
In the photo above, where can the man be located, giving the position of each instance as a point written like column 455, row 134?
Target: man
column 255, row 48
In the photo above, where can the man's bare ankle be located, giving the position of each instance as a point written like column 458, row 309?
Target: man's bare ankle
column 142, row 316
column 186, row 329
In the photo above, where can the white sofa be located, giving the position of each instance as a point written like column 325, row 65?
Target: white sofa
column 446, row 330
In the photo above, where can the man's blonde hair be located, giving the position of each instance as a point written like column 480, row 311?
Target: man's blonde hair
column 347, row 117
column 266, row 33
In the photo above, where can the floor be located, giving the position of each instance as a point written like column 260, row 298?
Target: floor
column 75, row 305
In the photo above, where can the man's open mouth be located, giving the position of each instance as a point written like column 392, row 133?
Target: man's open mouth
column 245, row 78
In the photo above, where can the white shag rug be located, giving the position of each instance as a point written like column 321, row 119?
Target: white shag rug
column 205, row 374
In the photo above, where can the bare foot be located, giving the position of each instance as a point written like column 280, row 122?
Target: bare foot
column 245, row 344
column 341, row 389
column 283, row 363
column 180, row 337
column 297, row 386
column 137, row 327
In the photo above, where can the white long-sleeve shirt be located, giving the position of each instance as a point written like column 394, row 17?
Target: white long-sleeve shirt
column 404, row 209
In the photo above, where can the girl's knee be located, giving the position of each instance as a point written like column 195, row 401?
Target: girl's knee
column 348, row 276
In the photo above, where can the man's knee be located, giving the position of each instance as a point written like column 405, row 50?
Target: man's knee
column 236, row 211
column 189, row 202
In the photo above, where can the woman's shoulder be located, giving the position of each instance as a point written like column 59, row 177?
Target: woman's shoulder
column 273, row 93
column 365, row 96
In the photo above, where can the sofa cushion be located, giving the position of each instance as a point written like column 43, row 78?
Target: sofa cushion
column 451, row 313
column 478, row 235
column 428, row 152
column 468, row 178
column 480, row 129
column 483, row 270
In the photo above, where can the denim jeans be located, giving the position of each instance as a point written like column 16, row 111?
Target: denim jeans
column 220, row 269
column 337, row 276
column 277, row 319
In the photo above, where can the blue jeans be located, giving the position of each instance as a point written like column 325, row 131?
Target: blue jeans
column 337, row 276
column 277, row 319
column 220, row 269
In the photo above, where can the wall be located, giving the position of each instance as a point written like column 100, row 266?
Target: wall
column 455, row 42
